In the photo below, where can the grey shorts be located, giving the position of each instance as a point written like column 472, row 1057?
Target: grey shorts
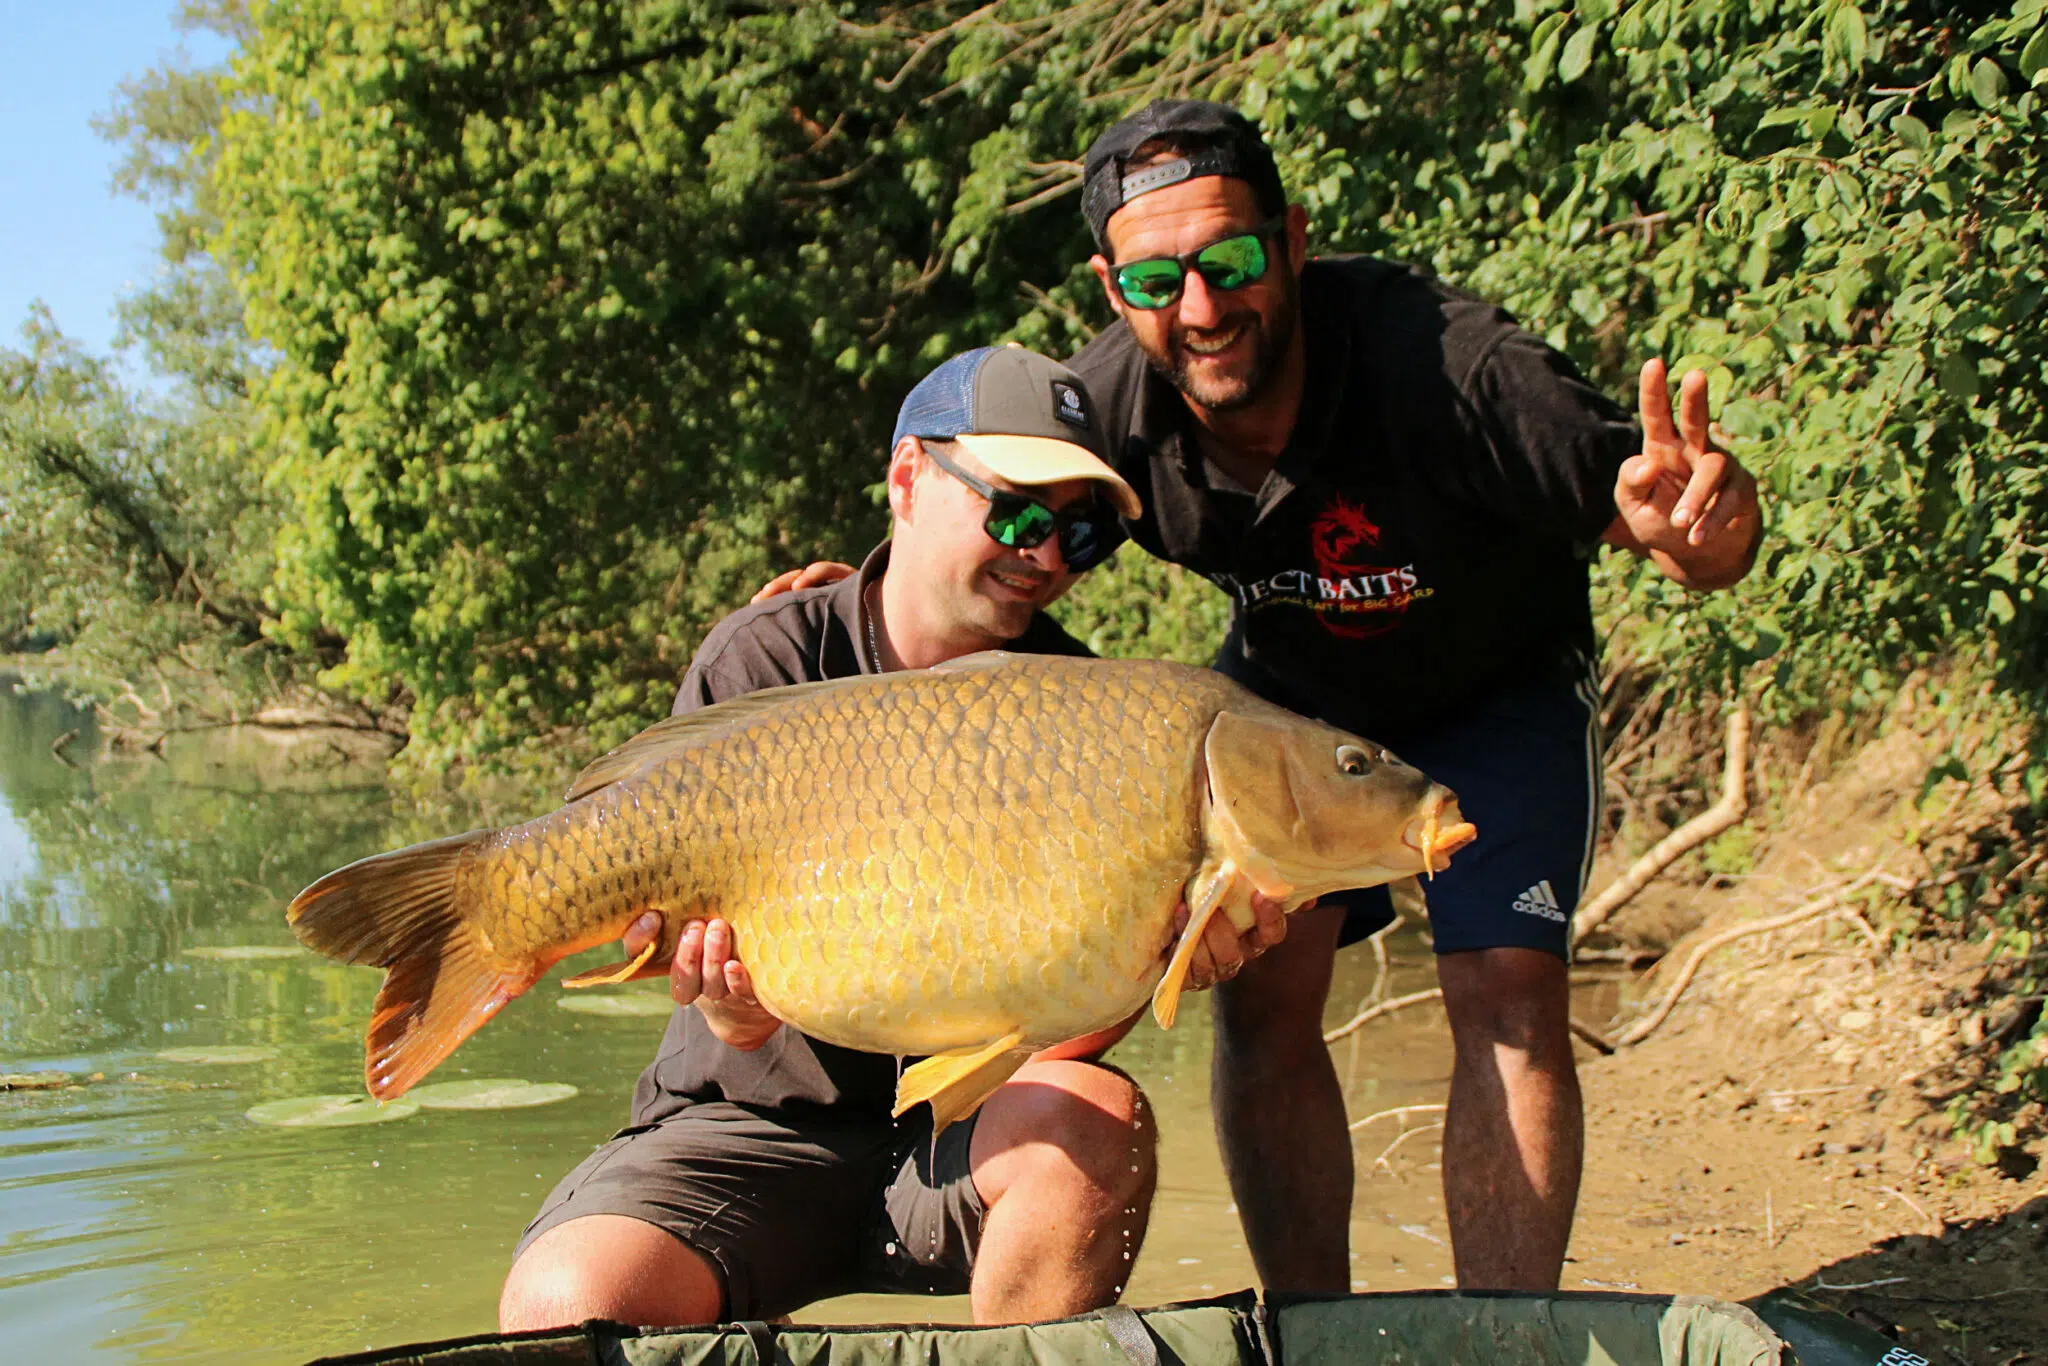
column 791, row 1210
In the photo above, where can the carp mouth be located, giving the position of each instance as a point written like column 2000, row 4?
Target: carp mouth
column 1440, row 831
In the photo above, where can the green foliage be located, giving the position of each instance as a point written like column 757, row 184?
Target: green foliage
column 133, row 537
column 1136, row 607
column 591, row 316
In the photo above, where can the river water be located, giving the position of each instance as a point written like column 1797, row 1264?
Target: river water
column 143, row 1217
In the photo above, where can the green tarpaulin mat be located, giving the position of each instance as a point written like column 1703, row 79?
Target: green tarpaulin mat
column 1424, row 1328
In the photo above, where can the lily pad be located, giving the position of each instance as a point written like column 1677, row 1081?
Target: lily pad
column 330, row 1112
column 33, row 1081
column 220, row 1053
column 620, row 1004
column 240, row 953
column 490, row 1093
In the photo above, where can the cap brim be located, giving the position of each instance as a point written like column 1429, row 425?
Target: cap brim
column 1029, row 460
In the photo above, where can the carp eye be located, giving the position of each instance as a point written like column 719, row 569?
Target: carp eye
column 1353, row 760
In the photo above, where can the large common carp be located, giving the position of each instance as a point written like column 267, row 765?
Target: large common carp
column 969, row 862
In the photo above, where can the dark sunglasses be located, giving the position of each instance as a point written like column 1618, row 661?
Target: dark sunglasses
column 1019, row 522
column 1231, row 263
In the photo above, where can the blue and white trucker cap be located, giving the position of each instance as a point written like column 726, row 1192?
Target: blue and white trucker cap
column 1027, row 418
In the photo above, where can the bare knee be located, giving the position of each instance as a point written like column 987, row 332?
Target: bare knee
column 1512, row 999
column 608, row 1266
column 1067, row 1123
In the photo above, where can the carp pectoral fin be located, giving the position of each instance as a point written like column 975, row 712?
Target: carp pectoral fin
column 957, row 1083
column 400, row 911
column 616, row 973
column 1166, row 996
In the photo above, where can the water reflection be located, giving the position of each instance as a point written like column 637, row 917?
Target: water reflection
column 142, row 1218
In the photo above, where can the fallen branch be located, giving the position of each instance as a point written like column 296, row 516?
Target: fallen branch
column 1371, row 1013
column 1734, row 804
column 1812, row 910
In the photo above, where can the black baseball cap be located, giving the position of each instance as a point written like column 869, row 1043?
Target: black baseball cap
column 1232, row 147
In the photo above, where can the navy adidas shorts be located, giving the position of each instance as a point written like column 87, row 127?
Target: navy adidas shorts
column 1525, row 764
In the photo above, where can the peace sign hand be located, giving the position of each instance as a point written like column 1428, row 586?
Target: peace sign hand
column 1684, row 502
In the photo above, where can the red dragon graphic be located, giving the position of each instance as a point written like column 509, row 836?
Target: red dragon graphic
column 1340, row 535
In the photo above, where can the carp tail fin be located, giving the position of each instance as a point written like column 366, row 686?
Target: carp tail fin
column 399, row 911
column 957, row 1083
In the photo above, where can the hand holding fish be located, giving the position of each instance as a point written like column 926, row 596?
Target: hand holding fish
column 1223, row 952
column 706, row 974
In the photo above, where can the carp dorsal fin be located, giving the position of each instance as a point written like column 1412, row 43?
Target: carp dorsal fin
column 980, row 659
column 957, row 1083
column 679, row 733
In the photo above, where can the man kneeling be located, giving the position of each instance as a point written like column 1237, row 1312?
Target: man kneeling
column 762, row 1169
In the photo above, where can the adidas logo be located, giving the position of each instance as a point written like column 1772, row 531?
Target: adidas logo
column 1540, row 900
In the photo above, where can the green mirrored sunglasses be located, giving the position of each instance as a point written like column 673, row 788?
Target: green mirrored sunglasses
column 1229, row 263
column 1087, row 535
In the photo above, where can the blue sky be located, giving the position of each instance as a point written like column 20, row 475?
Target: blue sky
column 65, row 237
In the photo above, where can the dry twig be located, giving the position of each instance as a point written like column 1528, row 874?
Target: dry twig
column 1372, row 1013
column 1401, row 1110
column 1406, row 1134
column 1855, row 918
column 1934, row 1224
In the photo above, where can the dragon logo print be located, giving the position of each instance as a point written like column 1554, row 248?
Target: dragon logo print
column 1352, row 594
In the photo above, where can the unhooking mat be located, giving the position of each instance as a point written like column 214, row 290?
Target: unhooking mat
column 1422, row 1328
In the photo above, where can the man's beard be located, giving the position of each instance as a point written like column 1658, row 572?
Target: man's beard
column 1268, row 343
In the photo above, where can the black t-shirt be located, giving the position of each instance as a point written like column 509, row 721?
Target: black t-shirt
column 1423, row 539
column 803, row 637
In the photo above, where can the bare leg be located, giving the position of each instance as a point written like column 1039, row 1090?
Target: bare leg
column 1514, row 1140
column 1280, row 1111
column 1064, row 1160
column 608, row 1266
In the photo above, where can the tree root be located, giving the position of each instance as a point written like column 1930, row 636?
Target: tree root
column 1734, row 804
column 1828, row 904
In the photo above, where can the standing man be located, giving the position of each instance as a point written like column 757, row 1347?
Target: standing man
column 1400, row 490
column 762, row 1169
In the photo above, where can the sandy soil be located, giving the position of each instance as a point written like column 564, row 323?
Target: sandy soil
column 1785, row 1126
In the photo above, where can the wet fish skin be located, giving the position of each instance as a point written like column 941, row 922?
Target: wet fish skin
column 976, row 860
